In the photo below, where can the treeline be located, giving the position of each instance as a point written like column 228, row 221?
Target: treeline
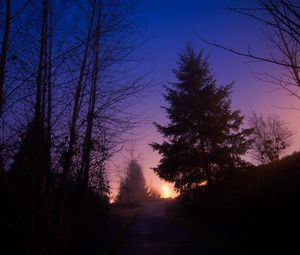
column 65, row 108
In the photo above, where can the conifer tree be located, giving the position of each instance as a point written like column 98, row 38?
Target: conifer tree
column 204, row 134
column 133, row 188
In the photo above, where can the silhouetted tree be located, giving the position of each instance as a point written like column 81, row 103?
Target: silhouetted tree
column 31, row 165
column 282, row 22
column 10, row 12
column 271, row 137
column 204, row 134
column 69, row 153
column 133, row 188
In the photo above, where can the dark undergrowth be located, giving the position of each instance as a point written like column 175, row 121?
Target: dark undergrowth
column 29, row 222
column 253, row 211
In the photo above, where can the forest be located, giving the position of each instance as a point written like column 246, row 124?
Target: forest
column 73, row 94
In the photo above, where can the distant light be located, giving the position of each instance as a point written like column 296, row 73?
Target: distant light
column 204, row 183
column 166, row 192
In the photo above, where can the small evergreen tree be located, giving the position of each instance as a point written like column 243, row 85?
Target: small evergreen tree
column 204, row 134
column 133, row 188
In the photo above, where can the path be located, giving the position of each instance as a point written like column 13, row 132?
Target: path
column 153, row 233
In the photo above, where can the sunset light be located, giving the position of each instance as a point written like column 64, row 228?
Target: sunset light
column 165, row 192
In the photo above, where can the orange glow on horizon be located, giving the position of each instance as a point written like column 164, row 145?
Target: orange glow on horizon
column 165, row 191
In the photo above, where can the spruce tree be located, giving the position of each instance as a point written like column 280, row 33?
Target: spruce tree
column 133, row 189
column 204, row 135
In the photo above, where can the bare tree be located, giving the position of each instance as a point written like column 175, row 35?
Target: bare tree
column 76, row 108
column 282, row 22
column 67, row 106
column 8, row 15
column 83, row 176
column 271, row 137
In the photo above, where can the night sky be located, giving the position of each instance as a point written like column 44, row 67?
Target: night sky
column 168, row 26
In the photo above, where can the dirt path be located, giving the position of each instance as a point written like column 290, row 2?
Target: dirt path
column 152, row 232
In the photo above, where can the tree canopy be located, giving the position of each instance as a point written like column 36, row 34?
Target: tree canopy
column 204, row 134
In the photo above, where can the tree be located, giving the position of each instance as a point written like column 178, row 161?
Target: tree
column 203, row 136
column 133, row 188
column 271, row 137
column 65, row 108
column 6, row 18
column 67, row 158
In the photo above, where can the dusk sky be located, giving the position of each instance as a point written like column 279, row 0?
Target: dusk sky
column 99, row 99
column 169, row 25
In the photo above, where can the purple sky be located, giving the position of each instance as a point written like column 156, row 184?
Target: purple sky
column 170, row 25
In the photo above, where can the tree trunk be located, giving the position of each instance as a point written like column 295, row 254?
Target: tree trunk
column 206, row 166
column 37, row 150
column 72, row 131
column 76, row 108
column 49, row 85
column 41, row 66
column 85, row 163
column 4, row 51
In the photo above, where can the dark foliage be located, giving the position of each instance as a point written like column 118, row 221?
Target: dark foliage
column 204, row 135
column 254, row 211
column 29, row 220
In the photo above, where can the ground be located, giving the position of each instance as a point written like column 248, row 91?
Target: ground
column 153, row 232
